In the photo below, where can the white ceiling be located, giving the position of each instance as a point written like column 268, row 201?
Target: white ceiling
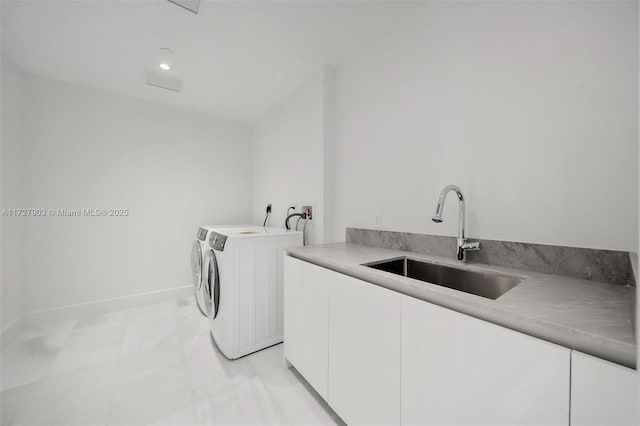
column 236, row 58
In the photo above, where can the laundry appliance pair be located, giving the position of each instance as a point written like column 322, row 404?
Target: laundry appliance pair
column 238, row 280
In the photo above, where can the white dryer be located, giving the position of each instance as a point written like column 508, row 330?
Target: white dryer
column 247, row 287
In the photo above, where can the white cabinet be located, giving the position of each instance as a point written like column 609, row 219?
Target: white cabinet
column 306, row 310
column 459, row 370
column 364, row 352
column 603, row 393
column 380, row 357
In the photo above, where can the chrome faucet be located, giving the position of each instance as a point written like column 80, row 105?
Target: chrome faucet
column 463, row 245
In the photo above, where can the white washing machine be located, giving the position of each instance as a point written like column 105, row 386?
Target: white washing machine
column 247, row 287
column 201, row 266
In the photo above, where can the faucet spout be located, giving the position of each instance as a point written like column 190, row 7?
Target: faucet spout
column 463, row 244
column 437, row 218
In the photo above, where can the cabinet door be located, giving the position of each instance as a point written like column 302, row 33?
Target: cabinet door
column 602, row 393
column 459, row 370
column 364, row 352
column 305, row 320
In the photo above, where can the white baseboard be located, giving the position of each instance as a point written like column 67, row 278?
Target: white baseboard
column 35, row 318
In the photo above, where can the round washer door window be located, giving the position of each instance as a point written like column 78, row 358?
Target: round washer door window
column 196, row 265
column 212, row 289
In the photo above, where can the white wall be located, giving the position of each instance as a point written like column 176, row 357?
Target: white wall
column 293, row 156
column 530, row 107
column 10, row 191
column 173, row 169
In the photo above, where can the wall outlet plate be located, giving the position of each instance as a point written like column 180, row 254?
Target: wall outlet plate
column 309, row 210
column 377, row 220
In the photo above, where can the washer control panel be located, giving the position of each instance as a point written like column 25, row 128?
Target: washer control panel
column 217, row 241
column 202, row 234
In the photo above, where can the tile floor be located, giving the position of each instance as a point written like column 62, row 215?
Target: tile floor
column 155, row 364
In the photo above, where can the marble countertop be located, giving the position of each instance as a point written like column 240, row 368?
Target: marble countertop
column 591, row 317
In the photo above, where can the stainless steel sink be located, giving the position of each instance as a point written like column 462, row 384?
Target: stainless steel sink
column 483, row 284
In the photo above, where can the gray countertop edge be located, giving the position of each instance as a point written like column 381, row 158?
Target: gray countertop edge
column 597, row 345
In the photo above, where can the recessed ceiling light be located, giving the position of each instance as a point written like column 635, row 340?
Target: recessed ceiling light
column 165, row 59
column 165, row 76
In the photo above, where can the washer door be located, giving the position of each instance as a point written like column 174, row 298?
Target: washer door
column 196, row 265
column 212, row 289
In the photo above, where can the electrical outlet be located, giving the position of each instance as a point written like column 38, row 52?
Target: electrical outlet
column 308, row 209
column 377, row 221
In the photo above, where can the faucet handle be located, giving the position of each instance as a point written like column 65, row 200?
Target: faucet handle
column 465, row 247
